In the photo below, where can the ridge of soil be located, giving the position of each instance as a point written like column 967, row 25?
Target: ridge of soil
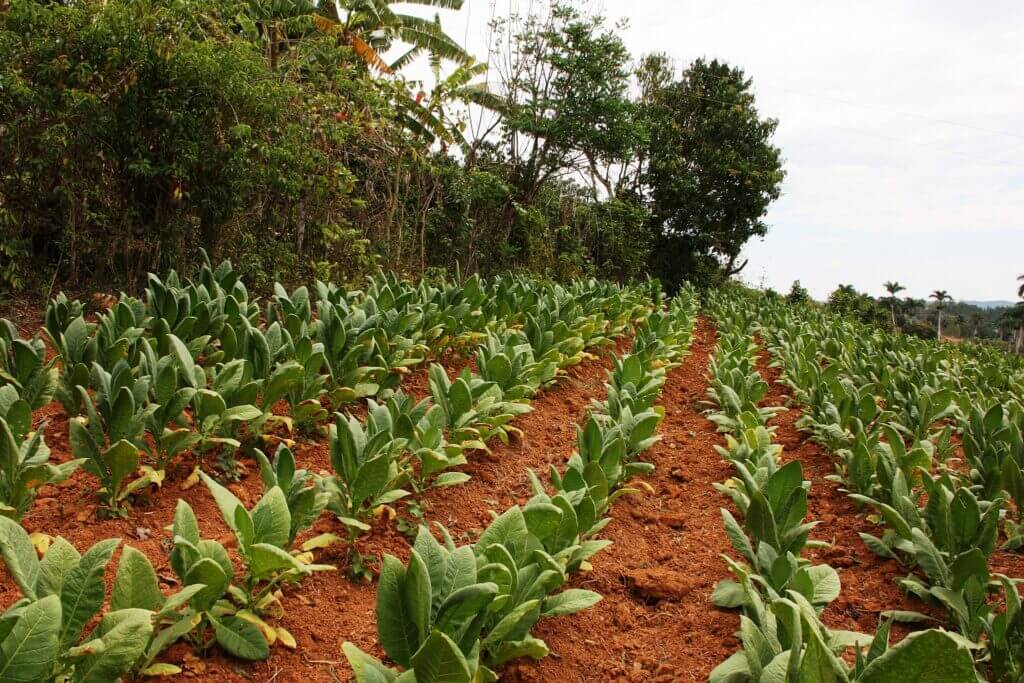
column 327, row 608
column 656, row 621
column 868, row 581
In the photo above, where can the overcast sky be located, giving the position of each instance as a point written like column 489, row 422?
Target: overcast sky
column 902, row 126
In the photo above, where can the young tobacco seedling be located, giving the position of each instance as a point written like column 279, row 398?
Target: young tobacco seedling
column 23, row 365
column 366, row 476
column 212, row 616
column 109, row 439
column 429, row 616
column 42, row 635
column 265, row 536
column 24, row 457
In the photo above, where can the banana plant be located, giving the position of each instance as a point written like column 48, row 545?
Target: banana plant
column 23, row 365
column 24, row 457
column 45, row 634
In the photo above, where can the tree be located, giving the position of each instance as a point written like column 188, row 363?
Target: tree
column 560, row 104
column 941, row 297
column 798, row 294
column 846, row 300
column 893, row 288
column 1020, row 292
column 712, row 170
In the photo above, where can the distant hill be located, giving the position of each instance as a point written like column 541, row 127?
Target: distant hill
column 991, row 304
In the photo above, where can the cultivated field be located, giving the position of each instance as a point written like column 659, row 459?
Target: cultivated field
column 502, row 479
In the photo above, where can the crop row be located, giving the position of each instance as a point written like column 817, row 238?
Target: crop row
column 780, row 593
column 457, row 613
column 892, row 409
column 193, row 368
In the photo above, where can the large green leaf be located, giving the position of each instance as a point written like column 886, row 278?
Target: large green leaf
column 396, row 628
column 124, row 635
column 240, row 638
column 61, row 557
column 923, row 657
column 271, row 519
column 135, row 584
column 20, row 556
column 569, row 602
column 30, row 649
column 82, row 594
column 439, row 660
column 368, row 669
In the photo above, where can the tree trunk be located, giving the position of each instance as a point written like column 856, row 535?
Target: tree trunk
column 892, row 309
column 1020, row 339
column 940, row 326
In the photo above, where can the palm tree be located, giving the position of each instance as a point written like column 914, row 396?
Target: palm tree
column 1020, row 292
column 941, row 296
column 893, row 288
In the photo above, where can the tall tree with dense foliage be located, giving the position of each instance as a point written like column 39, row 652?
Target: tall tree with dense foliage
column 893, row 288
column 941, row 298
column 712, row 170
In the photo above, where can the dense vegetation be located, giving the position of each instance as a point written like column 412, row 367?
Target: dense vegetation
column 942, row 316
column 887, row 406
column 136, row 132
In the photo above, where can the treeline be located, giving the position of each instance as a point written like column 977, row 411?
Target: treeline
column 1002, row 326
column 285, row 136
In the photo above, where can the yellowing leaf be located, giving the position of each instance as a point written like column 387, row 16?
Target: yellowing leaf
column 192, row 480
column 321, row 541
column 269, row 632
column 161, row 669
column 41, row 541
column 285, row 638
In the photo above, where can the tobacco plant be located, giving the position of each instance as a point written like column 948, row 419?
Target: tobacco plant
column 24, row 457
column 109, row 439
column 44, row 635
column 23, row 365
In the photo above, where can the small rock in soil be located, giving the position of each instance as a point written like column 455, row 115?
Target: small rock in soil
column 656, row 584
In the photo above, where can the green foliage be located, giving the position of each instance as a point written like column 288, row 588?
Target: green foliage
column 24, row 457
column 708, row 216
column 46, row 638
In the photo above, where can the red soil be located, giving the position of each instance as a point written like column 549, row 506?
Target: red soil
column 656, row 622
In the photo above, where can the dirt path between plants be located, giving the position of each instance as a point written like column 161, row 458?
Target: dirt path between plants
column 656, row 622
column 327, row 608
column 868, row 581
